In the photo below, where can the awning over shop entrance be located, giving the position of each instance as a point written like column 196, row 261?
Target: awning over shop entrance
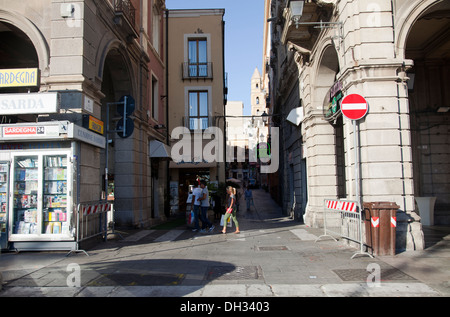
column 159, row 149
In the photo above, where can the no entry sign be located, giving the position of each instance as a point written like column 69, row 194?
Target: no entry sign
column 354, row 107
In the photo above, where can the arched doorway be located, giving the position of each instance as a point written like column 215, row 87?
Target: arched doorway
column 428, row 45
column 328, row 89
column 323, row 154
column 117, row 82
column 16, row 51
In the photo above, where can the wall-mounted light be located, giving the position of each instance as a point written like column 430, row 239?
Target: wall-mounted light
column 265, row 117
column 296, row 7
column 411, row 79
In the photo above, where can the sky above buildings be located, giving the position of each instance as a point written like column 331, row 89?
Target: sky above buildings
column 244, row 21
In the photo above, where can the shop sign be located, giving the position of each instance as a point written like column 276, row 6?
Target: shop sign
column 93, row 124
column 84, row 135
column 331, row 105
column 32, row 103
column 36, row 131
column 19, row 77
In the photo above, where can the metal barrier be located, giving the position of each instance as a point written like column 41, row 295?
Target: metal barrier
column 92, row 220
column 343, row 218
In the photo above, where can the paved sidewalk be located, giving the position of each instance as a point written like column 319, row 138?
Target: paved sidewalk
column 273, row 256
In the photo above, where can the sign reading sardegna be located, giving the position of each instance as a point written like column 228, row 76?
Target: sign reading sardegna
column 19, row 77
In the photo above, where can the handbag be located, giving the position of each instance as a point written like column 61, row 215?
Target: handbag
column 191, row 218
column 229, row 224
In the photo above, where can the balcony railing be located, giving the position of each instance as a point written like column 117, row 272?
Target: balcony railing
column 126, row 9
column 196, row 123
column 197, row 70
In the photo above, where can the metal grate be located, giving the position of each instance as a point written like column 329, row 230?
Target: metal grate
column 273, row 248
column 133, row 279
column 233, row 273
column 361, row 275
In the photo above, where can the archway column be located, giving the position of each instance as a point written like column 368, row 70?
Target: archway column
column 385, row 143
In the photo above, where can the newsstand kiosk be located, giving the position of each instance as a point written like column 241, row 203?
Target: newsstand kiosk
column 38, row 170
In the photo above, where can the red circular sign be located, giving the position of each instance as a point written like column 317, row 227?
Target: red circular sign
column 354, row 107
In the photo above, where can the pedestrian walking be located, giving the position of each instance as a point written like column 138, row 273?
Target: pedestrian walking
column 196, row 194
column 204, row 206
column 231, row 210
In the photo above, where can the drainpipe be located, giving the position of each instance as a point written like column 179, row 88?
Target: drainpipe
column 224, row 105
column 167, row 201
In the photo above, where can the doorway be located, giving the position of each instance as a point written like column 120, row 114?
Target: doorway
column 429, row 106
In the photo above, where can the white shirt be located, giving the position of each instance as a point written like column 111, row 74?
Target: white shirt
column 197, row 192
column 205, row 202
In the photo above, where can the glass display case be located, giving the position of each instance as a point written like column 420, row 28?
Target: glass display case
column 41, row 189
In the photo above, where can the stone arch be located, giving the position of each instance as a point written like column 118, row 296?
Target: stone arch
column 322, row 162
column 406, row 22
column 326, row 72
column 114, row 54
column 33, row 33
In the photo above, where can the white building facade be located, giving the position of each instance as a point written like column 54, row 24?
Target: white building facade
column 395, row 54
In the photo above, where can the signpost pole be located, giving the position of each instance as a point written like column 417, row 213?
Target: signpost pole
column 124, row 116
column 356, row 145
column 355, row 107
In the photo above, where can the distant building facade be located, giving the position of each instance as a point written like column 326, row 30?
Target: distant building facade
column 197, row 97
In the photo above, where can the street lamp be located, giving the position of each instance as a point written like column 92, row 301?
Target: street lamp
column 265, row 117
column 296, row 7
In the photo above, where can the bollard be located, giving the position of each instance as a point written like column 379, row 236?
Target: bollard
column 380, row 225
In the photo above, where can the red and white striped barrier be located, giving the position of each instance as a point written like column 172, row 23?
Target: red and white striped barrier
column 342, row 205
column 343, row 218
column 97, row 208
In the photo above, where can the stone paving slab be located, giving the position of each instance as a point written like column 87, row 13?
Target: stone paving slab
column 273, row 256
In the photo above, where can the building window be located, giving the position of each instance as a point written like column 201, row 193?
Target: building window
column 198, row 58
column 198, row 110
column 155, row 103
column 156, row 23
